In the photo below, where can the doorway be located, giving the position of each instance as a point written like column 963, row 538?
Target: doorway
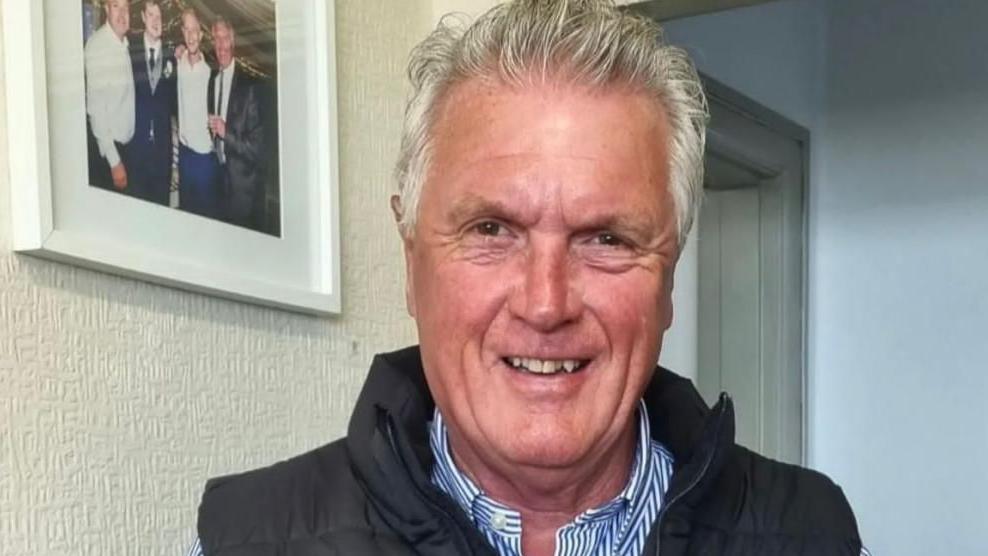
column 751, row 253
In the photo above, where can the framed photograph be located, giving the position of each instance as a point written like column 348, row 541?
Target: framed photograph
column 186, row 142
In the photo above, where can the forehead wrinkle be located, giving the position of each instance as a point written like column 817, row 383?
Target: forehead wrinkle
column 479, row 170
column 464, row 166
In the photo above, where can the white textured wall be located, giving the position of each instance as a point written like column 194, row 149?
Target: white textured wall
column 118, row 399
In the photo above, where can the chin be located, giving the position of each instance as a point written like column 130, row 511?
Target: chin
column 545, row 448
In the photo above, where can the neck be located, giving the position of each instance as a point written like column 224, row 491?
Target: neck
column 549, row 498
column 151, row 40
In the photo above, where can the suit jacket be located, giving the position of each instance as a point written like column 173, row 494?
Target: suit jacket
column 243, row 172
column 151, row 147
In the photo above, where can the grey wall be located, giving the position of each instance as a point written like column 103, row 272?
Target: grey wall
column 118, row 399
column 772, row 52
column 894, row 93
column 729, row 47
column 900, row 273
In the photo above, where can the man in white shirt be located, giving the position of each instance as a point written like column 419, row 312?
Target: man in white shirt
column 110, row 94
column 198, row 190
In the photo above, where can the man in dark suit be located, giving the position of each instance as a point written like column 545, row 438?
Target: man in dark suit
column 154, row 104
column 238, row 129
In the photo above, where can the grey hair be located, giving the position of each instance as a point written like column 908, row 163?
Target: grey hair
column 189, row 11
column 221, row 19
column 585, row 42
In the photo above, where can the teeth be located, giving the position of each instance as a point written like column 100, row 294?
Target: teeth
column 544, row 366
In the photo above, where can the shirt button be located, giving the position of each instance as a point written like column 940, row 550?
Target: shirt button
column 499, row 521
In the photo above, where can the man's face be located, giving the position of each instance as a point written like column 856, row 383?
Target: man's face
column 223, row 44
column 151, row 16
column 545, row 236
column 118, row 16
column 191, row 32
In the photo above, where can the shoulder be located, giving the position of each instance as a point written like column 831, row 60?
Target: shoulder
column 244, row 78
column 770, row 497
column 313, row 491
column 98, row 41
column 135, row 42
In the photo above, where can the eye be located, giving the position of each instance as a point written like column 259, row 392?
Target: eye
column 609, row 239
column 488, row 228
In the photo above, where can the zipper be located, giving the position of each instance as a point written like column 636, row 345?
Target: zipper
column 463, row 546
column 693, row 484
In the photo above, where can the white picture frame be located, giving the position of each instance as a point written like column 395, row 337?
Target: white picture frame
column 57, row 218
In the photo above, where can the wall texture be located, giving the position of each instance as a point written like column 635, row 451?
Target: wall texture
column 119, row 398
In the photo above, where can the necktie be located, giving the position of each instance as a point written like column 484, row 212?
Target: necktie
column 219, row 101
column 153, row 72
column 153, row 81
column 219, row 112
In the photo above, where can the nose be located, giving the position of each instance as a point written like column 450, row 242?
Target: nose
column 546, row 297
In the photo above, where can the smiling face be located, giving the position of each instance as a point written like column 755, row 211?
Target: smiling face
column 151, row 16
column 545, row 241
column 223, row 42
column 118, row 16
column 191, row 32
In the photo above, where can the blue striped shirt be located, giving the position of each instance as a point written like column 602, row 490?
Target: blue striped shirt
column 618, row 527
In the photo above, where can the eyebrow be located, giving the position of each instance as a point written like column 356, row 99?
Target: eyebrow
column 638, row 225
column 472, row 205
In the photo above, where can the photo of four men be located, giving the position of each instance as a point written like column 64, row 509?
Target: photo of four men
column 181, row 105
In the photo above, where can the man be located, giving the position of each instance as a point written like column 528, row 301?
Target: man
column 154, row 92
column 198, row 190
column 551, row 168
column 238, row 130
column 110, row 96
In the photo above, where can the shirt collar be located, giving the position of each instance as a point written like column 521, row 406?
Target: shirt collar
column 483, row 509
column 228, row 72
column 155, row 45
column 187, row 61
column 123, row 41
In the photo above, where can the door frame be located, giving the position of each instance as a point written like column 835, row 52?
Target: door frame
column 727, row 98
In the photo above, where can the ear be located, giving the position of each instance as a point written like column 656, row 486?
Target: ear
column 666, row 318
column 409, row 278
column 408, row 246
